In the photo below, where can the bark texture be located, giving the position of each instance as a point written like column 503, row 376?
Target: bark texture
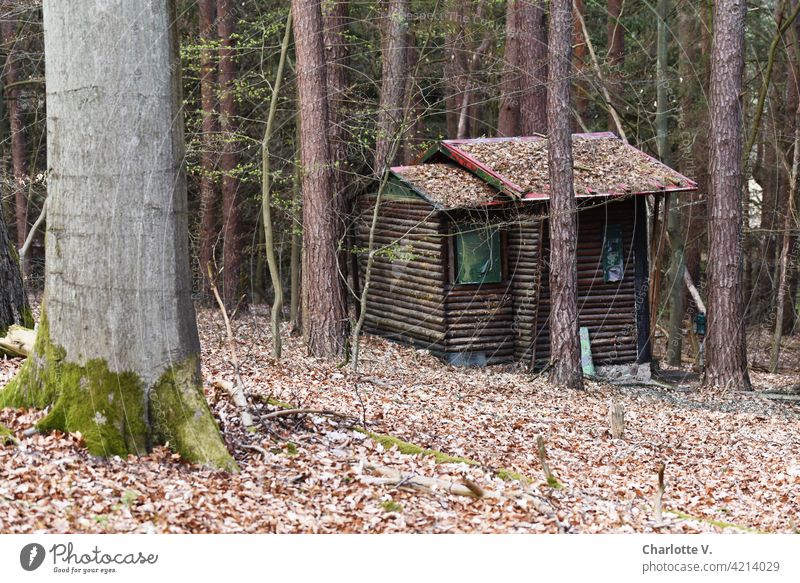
column 13, row 303
column 19, row 160
column 564, row 345
column 209, row 194
column 725, row 345
column 117, row 350
column 231, row 199
column 508, row 117
column 394, row 49
column 324, row 317
column 532, row 23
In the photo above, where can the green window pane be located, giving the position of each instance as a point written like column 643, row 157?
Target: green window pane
column 478, row 255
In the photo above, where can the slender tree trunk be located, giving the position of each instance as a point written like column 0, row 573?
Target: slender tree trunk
column 726, row 342
column 455, row 61
column 616, row 54
column 229, row 160
column 266, row 200
column 789, row 224
column 324, row 314
column 579, row 59
column 393, row 80
column 533, row 66
column 209, row 194
column 117, row 355
column 294, row 259
column 19, row 160
column 508, row 120
column 675, row 276
column 564, row 346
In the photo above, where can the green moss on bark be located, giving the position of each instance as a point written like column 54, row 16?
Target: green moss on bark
column 111, row 409
column 107, row 408
column 180, row 417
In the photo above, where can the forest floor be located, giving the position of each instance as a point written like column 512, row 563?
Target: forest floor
column 732, row 459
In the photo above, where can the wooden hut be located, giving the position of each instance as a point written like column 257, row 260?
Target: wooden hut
column 461, row 249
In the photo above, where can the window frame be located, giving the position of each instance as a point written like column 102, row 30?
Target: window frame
column 454, row 252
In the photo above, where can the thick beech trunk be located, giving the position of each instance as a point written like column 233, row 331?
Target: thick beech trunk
column 117, row 352
column 324, row 317
column 564, row 345
column 725, row 344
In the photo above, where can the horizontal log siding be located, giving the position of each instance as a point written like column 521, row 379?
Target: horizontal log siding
column 524, row 266
column 606, row 309
column 406, row 296
column 480, row 318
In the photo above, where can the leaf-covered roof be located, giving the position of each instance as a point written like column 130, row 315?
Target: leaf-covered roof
column 447, row 185
column 602, row 165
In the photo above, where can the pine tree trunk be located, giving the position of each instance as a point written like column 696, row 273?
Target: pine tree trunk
column 324, row 316
column 19, row 161
column 532, row 24
column 117, row 355
column 13, row 303
column 334, row 29
column 508, row 118
column 209, row 195
column 231, row 198
column 334, row 18
column 564, row 345
column 394, row 48
column 725, row 344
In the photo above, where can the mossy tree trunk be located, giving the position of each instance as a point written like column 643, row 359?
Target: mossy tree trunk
column 117, row 352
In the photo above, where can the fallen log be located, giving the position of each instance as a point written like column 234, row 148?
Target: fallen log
column 424, row 483
column 18, row 342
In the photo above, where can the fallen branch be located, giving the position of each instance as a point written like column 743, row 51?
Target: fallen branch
column 424, row 483
column 321, row 412
column 18, row 341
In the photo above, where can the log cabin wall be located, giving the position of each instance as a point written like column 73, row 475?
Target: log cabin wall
column 480, row 317
column 608, row 310
column 405, row 301
column 525, row 266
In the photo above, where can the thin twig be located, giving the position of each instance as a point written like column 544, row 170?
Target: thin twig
column 237, row 391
